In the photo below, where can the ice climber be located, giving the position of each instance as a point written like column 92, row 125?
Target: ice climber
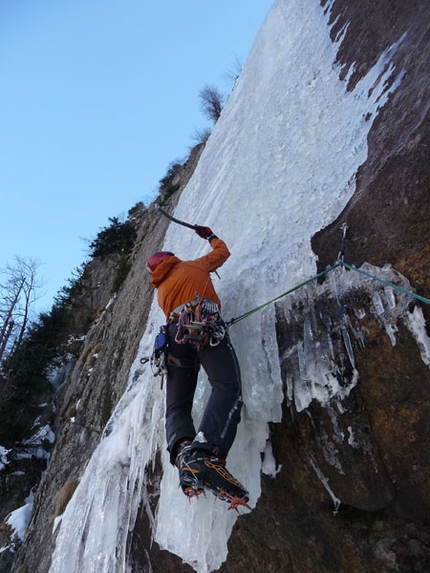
column 196, row 335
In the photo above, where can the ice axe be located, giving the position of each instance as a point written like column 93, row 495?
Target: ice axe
column 183, row 223
column 179, row 222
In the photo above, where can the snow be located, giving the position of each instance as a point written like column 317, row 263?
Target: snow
column 3, row 457
column 279, row 165
column 36, row 444
column 18, row 521
column 58, row 374
column 43, row 433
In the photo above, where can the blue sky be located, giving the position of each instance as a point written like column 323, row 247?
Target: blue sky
column 97, row 98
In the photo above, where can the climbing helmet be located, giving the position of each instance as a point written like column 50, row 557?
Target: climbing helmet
column 153, row 261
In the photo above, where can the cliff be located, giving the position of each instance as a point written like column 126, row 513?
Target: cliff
column 349, row 419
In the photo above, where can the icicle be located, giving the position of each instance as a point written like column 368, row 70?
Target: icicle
column 377, row 302
column 348, row 346
column 324, row 480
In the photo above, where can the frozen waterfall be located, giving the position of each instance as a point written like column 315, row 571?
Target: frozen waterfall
column 279, row 166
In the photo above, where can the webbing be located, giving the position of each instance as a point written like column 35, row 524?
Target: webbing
column 317, row 276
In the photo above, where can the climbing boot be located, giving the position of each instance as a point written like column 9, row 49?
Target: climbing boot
column 200, row 471
column 181, row 462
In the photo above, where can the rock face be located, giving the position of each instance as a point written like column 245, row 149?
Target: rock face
column 352, row 491
column 352, row 494
column 97, row 378
column 382, row 521
column 388, row 216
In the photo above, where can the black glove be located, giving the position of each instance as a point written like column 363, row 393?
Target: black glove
column 204, row 232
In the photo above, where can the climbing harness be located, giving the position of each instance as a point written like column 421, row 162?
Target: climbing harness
column 199, row 323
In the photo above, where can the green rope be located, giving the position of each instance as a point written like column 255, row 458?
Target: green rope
column 322, row 273
column 393, row 286
column 297, row 287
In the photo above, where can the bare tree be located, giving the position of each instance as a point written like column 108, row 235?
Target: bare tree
column 234, row 72
column 17, row 293
column 211, row 102
column 201, row 135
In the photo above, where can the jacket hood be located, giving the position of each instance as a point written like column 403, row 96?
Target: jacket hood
column 163, row 269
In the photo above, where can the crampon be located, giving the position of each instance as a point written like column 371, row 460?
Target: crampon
column 235, row 502
column 222, row 495
column 191, row 492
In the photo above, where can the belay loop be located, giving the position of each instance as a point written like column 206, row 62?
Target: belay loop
column 200, row 323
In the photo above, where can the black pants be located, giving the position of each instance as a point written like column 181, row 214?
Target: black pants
column 222, row 412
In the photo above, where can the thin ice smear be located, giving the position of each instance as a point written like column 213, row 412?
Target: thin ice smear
column 279, row 166
column 320, row 360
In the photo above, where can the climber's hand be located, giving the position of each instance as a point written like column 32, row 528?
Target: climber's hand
column 204, row 232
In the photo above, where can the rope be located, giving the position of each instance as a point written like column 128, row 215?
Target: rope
column 339, row 263
column 393, row 286
column 297, row 287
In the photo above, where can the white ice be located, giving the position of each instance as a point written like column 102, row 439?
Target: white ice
column 279, row 166
column 417, row 325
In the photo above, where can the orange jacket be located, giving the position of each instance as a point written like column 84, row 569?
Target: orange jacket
column 178, row 282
